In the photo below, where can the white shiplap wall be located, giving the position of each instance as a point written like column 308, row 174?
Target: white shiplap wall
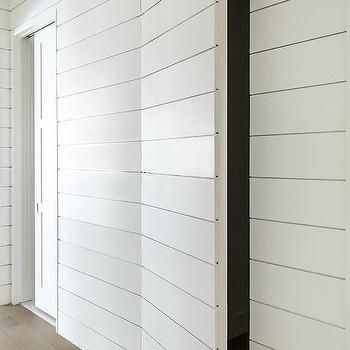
column 136, row 110
column 298, row 101
column 5, row 155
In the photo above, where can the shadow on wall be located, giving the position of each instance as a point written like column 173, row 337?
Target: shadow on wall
column 238, row 175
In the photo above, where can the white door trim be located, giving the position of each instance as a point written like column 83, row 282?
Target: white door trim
column 22, row 219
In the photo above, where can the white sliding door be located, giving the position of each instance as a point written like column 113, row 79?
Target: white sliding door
column 45, row 170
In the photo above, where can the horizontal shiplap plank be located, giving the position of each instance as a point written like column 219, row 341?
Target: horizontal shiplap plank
column 191, row 314
column 5, row 98
column 277, row 329
column 315, row 62
column 101, row 18
column 5, row 177
column 5, row 118
column 5, row 216
column 260, row 4
column 5, row 196
column 173, row 13
column 295, row 21
column 189, row 157
column 109, row 185
column 166, row 332
column 319, row 203
column 148, row 343
column 111, row 42
column 190, row 117
column 255, row 346
column 190, row 196
column 180, row 232
column 5, row 59
column 5, row 275
column 119, row 215
column 5, row 255
column 5, row 157
column 5, row 42
column 300, row 156
column 119, row 156
column 111, row 128
column 318, row 250
column 83, row 336
column 191, row 275
column 194, row 36
column 68, row 9
column 191, row 77
column 103, row 322
column 5, row 294
column 5, row 137
column 112, row 71
column 106, row 296
column 320, row 108
column 5, row 236
column 318, row 297
column 117, row 272
column 5, row 78
column 115, row 243
column 5, row 4
column 115, row 99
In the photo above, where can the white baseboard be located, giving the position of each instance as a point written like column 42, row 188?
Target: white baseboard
column 29, row 305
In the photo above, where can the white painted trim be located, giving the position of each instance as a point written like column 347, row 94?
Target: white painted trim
column 29, row 305
column 221, row 173
column 22, row 203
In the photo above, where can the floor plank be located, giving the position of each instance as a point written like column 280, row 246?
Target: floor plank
column 21, row 329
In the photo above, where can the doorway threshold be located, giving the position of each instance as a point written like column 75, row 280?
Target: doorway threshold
column 29, row 305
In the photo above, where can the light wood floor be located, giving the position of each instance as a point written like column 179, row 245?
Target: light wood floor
column 22, row 330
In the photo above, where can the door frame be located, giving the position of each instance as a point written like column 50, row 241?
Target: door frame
column 23, row 191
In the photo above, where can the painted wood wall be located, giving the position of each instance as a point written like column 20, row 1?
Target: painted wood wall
column 298, row 79
column 136, row 108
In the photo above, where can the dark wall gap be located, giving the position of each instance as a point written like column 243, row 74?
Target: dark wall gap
column 238, row 174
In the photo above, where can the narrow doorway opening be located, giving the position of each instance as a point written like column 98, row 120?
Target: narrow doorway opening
column 36, row 285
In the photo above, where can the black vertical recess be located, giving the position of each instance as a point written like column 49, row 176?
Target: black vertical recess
column 238, row 174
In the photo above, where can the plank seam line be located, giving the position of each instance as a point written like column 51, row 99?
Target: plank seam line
column 269, row 6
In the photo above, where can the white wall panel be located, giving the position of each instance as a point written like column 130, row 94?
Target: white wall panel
column 190, row 313
column 167, row 333
column 148, row 343
column 278, row 329
column 111, row 71
column 5, row 117
column 127, row 335
column 316, row 62
column 190, row 196
column 4, row 4
column 5, row 177
column 101, row 18
column 118, row 156
column 5, row 275
column 5, row 98
column 191, row 77
column 109, row 185
column 5, row 137
column 188, row 39
column 5, row 78
column 5, row 39
column 68, row 9
column 5, row 59
column 193, row 116
column 187, row 273
column 115, row 99
column 307, row 248
column 189, row 157
column 5, row 196
column 110, row 128
column 5, row 294
column 173, row 13
column 318, row 203
column 260, row 4
column 320, row 108
column 5, row 216
column 115, row 243
column 300, row 156
column 255, row 346
column 5, row 255
column 180, row 232
column 5, row 236
column 318, row 297
column 114, row 214
column 111, row 42
column 114, row 271
column 110, row 298
column 77, row 333
column 5, row 157
column 295, row 21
